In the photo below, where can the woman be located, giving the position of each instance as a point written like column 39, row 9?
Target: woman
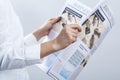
column 17, row 52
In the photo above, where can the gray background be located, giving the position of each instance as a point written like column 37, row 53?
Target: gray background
column 103, row 65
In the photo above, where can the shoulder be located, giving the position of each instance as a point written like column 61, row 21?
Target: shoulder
column 4, row 11
column 4, row 7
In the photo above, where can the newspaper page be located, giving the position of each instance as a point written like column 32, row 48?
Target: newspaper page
column 73, row 12
column 66, row 64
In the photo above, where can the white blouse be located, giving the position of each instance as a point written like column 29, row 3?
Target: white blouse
column 16, row 52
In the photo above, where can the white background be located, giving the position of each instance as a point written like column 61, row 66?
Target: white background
column 104, row 65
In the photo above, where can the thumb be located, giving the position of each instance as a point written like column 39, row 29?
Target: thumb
column 55, row 20
column 76, row 26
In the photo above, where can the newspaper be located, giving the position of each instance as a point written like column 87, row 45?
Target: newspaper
column 66, row 64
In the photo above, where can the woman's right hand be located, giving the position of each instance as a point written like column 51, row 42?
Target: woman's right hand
column 67, row 36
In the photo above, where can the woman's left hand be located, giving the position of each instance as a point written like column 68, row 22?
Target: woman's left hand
column 45, row 28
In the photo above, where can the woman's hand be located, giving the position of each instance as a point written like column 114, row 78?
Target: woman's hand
column 67, row 36
column 45, row 28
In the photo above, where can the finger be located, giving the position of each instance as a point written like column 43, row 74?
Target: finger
column 55, row 20
column 73, row 37
column 75, row 31
column 76, row 26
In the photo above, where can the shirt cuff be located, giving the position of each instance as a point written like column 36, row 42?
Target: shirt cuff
column 32, row 47
column 32, row 52
column 30, row 40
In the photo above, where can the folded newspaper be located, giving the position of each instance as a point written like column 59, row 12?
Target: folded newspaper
column 66, row 64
